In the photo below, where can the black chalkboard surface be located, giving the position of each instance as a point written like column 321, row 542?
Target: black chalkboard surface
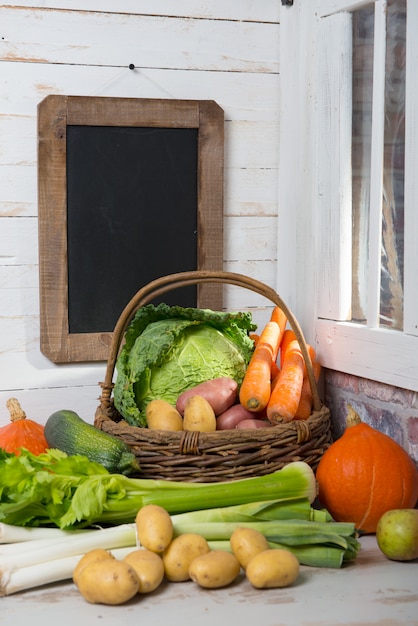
column 131, row 214
column 129, row 190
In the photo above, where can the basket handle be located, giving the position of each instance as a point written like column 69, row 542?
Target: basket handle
column 182, row 279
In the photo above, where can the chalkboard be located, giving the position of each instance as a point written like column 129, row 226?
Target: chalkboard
column 129, row 190
column 132, row 194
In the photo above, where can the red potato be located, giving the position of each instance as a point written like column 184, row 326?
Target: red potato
column 232, row 417
column 221, row 393
column 254, row 423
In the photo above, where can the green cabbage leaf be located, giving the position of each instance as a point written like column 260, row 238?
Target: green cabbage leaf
column 168, row 350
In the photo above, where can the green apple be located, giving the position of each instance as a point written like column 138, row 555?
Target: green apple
column 397, row 534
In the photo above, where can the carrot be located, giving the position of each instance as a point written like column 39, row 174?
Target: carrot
column 288, row 336
column 304, row 409
column 271, row 336
column 286, row 392
column 312, row 352
column 278, row 316
column 256, row 386
column 275, row 369
column 255, row 337
column 280, row 319
column 255, row 389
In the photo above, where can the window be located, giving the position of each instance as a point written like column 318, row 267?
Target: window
column 357, row 262
column 367, row 130
column 371, row 330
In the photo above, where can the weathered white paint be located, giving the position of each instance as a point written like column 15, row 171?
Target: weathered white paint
column 343, row 346
column 228, row 52
column 118, row 39
column 328, row 7
column 242, row 10
column 334, row 154
column 297, row 247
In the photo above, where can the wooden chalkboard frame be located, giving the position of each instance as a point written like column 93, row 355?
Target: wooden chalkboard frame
column 55, row 113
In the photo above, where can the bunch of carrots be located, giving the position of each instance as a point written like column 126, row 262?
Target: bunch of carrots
column 276, row 383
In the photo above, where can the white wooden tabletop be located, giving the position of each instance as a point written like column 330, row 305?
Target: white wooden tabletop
column 371, row 591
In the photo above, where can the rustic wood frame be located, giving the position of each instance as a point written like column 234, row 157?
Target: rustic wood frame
column 55, row 113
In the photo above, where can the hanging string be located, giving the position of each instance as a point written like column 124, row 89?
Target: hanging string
column 112, row 80
column 115, row 78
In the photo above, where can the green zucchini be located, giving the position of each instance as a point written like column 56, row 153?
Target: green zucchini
column 66, row 431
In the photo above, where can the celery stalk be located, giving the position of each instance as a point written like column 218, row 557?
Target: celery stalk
column 72, row 492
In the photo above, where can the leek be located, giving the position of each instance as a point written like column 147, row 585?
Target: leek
column 312, row 535
column 293, row 525
column 56, row 570
column 299, row 508
column 33, row 563
column 322, row 555
column 50, row 503
column 121, row 536
column 54, row 489
column 10, row 534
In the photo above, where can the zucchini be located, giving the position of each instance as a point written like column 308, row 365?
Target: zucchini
column 69, row 433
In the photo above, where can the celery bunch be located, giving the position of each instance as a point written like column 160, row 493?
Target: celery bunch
column 54, row 489
column 50, row 503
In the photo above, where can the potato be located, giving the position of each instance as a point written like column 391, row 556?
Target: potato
column 199, row 415
column 221, row 393
column 161, row 415
column 154, row 527
column 272, row 568
column 231, row 417
column 217, row 568
column 149, row 568
column 109, row 581
column 180, row 553
column 98, row 554
column 254, row 423
column 246, row 543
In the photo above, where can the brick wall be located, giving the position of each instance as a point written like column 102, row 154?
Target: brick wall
column 389, row 409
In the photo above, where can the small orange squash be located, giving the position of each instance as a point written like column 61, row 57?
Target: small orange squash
column 365, row 473
column 21, row 432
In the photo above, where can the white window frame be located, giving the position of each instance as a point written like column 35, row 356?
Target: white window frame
column 314, row 256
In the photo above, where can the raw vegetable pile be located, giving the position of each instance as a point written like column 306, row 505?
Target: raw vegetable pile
column 68, row 496
column 71, row 498
column 171, row 353
column 170, row 349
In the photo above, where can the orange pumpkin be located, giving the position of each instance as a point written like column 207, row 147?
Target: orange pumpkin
column 365, row 473
column 21, row 432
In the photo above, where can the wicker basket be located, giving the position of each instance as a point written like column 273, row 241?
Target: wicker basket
column 222, row 455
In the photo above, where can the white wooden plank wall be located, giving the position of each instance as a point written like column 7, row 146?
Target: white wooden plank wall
column 225, row 51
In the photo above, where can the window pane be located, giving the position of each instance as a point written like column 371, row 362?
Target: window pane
column 363, row 41
column 391, row 279
column 391, row 300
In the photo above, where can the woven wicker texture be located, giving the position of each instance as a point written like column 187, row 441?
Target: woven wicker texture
column 221, row 455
